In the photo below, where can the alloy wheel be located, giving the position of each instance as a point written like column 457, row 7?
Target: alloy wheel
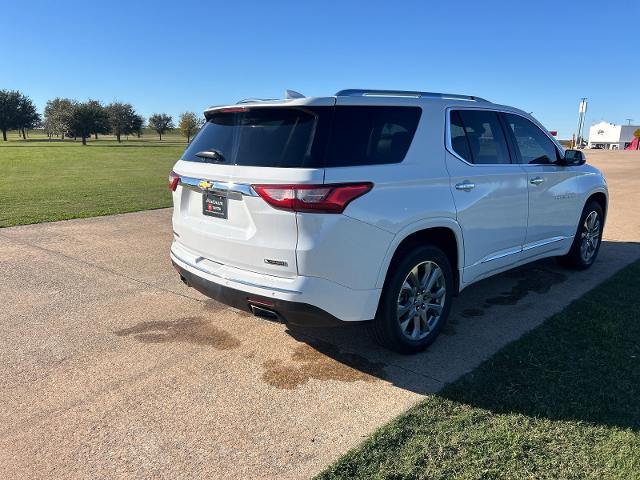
column 590, row 236
column 421, row 300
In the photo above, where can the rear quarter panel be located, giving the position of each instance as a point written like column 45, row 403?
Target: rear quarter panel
column 407, row 196
column 341, row 249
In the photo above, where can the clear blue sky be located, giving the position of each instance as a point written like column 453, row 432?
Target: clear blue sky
column 541, row 56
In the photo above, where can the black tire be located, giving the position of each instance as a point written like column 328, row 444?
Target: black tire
column 385, row 328
column 576, row 259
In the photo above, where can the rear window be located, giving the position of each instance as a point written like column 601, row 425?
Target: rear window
column 309, row 137
column 261, row 137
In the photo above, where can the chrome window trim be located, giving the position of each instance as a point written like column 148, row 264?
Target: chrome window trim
column 450, row 149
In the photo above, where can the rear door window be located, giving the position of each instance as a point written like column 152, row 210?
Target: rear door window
column 477, row 137
column 459, row 141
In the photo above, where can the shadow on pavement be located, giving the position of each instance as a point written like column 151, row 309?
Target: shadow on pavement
column 582, row 365
column 485, row 317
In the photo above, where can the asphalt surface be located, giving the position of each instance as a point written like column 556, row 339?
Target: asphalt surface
column 111, row 368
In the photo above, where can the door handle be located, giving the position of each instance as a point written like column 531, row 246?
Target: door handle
column 466, row 186
column 537, row 180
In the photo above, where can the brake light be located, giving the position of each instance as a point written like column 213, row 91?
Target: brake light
column 174, row 179
column 231, row 110
column 312, row 198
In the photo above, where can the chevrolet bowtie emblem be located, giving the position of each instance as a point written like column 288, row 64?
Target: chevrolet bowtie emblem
column 204, row 184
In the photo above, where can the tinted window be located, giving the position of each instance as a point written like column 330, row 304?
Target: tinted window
column 485, row 142
column 371, row 135
column 264, row 137
column 533, row 144
column 309, row 137
column 459, row 140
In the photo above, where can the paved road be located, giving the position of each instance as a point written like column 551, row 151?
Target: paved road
column 110, row 367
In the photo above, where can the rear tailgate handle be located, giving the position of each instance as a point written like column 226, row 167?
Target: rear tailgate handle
column 465, row 186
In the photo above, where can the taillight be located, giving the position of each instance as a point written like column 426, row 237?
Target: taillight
column 312, row 198
column 174, row 179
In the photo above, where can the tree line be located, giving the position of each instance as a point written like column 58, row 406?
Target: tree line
column 69, row 118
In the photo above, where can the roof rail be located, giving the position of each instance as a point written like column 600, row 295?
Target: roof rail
column 253, row 100
column 356, row 92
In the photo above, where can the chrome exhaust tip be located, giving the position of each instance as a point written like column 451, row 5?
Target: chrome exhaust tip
column 262, row 312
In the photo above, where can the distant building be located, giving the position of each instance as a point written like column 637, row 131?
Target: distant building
column 610, row 136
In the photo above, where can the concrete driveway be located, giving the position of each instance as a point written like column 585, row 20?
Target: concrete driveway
column 110, row 367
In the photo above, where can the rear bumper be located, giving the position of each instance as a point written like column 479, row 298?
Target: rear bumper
column 293, row 313
column 298, row 301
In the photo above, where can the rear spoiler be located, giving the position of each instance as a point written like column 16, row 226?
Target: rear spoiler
column 301, row 101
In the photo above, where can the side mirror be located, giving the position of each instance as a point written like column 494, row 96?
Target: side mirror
column 573, row 157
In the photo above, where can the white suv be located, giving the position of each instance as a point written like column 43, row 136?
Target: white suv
column 375, row 205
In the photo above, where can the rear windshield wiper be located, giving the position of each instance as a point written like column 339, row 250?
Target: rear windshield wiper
column 214, row 155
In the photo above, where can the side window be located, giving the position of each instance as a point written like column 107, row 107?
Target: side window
column 477, row 136
column 371, row 135
column 459, row 140
column 534, row 146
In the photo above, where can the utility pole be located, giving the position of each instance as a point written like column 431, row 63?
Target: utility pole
column 628, row 120
column 582, row 111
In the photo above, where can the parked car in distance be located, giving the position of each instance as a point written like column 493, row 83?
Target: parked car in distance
column 375, row 206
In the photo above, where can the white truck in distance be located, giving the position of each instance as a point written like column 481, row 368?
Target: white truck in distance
column 375, row 206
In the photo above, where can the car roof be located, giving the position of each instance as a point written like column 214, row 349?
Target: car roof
column 358, row 96
column 372, row 97
column 438, row 100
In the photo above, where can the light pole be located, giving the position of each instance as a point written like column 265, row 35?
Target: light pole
column 582, row 111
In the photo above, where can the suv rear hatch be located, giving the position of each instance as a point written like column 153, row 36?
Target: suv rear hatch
column 217, row 213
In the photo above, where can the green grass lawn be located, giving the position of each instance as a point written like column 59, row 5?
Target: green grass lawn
column 561, row 402
column 43, row 181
